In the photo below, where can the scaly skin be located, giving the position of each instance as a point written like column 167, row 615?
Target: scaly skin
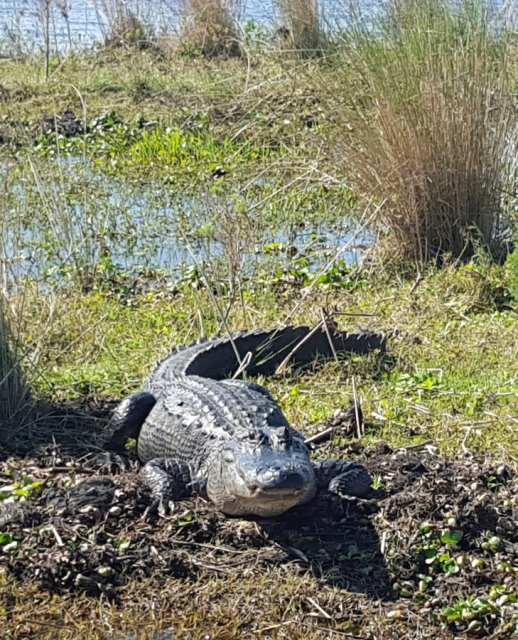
column 228, row 440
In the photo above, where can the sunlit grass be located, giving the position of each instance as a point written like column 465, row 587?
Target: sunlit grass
column 428, row 120
column 450, row 375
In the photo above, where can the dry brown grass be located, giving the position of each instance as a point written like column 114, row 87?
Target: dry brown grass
column 13, row 389
column 300, row 19
column 430, row 119
column 209, row 27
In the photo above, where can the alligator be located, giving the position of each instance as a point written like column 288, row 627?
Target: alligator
column 200, row 432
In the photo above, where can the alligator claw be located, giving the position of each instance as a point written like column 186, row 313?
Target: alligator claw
column 159, row 506
column 165, row 508
column 356, row 482
column 151, row 510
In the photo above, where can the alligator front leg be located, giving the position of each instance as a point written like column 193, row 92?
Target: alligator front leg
column 343, row 477
column 168, row 480
column 128, row 418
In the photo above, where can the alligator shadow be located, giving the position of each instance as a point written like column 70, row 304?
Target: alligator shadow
column 76, row 428
column 337, row 542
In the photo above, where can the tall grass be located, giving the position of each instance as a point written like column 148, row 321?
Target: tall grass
column 210, row 26
column 300, row 20
column 14, row 392
column 123, row 23
column 429, row 119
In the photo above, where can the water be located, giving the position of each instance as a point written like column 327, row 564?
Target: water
column 80, row 23
column 147, row 228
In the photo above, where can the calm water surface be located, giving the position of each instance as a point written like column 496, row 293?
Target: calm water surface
column 80, row 23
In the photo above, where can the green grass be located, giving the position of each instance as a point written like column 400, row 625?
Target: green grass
column 451, row 366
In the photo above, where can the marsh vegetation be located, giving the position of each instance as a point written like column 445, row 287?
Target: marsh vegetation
column 364, row 172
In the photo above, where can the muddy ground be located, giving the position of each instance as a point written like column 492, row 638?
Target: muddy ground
column 433, row 551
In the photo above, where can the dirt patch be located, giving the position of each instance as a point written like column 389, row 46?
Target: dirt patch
column 65, row 123
column 435, row 549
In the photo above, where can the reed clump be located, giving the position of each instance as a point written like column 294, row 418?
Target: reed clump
column 14, row 391
column 429, row 121
column 300, row 26
column 209, row 27
column 123, row 24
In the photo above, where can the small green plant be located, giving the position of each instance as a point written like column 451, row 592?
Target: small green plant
column 9, row 543
column 436, row 545
column 501, row 595
column 121, row 543
column 471, row 612
column 185, row 519
column 18, row 490
column 491, row 544
column 378, row 483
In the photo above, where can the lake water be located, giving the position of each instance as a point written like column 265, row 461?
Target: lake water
column 143, row 227
column 80, row 23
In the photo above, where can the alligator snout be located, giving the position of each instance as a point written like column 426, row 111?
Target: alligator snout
column 275, row 478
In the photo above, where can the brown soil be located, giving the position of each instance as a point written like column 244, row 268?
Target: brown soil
column 85, row 533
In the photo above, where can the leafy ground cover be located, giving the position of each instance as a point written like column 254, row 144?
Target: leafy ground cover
column 433, row 551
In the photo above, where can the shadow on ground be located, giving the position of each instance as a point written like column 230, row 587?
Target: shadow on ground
column 35, row 425
column 93, row 505
column 441, row 533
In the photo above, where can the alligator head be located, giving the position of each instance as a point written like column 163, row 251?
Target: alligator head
column 264, row 472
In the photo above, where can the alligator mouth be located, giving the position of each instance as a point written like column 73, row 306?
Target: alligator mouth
column 256, row 492
column 264, row 505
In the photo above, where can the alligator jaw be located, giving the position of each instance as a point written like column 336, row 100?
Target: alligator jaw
column 264, row 504
column 261, row 499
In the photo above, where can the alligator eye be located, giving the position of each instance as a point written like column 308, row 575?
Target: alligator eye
column 284, row 434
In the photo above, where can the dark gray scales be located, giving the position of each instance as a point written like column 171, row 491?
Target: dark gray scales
column 228, row 440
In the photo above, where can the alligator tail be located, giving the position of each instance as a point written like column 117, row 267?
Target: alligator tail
column 297, row 346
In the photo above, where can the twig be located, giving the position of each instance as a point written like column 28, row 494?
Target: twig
column 200, row 320
column 210, row 567
column 360, row 315
column 417, row 282
column 326, row 328
column 419, row 445
column 276, row 626
column 319, row 436
column 246, row 361
column 296, row 348
column 317, row 606
column 44, row 624
column 383, row 542
column 359, row 425
column 57, row 536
